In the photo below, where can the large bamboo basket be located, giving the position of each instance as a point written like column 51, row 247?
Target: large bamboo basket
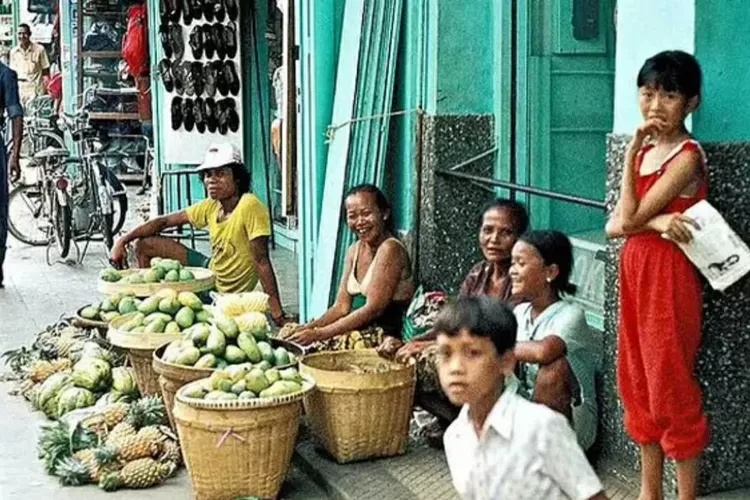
column 173, row 376
column 140, row 348
column 81, row 322
column 204, row 280
column 357, row 416
column 236, row 449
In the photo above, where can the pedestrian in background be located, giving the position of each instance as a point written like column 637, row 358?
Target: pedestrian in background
column 661, row 296
column 30, row 62
column 502, row 445
column 10, row 105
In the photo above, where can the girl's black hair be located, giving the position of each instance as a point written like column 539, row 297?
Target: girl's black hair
column 517, row 212
column 673, row 71
column 482, row 316
column 241, row 177
column 555, row 248
column 380, row 199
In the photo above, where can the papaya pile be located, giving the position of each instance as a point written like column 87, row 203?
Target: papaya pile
column 166, row 311
column 245, row 381
column 110, row 308
column 161, row 271
column 227, row 342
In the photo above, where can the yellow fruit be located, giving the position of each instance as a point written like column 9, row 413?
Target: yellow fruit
column 115, row 413
column 88, row 458
column 120, row 432
column 138, row 446
column 171, row 452
column 41, row 371
column 141, row 473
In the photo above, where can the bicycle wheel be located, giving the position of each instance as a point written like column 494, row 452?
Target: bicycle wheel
column 61, row 224
column 28, row 217
column 107, row 235
column 29, row 146
column 119, row 201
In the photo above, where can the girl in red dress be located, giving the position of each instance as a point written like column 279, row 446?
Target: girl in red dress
column 660, row 290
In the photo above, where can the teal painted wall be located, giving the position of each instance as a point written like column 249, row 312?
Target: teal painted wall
column 722, row 38
column 642, row 31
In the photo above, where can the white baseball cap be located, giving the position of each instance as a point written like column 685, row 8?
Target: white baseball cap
column 220, row 154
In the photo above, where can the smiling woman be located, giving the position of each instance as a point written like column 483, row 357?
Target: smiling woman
column 376, row 286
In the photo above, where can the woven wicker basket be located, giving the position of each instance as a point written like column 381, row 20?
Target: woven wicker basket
column 238, row 449
column 81, row 322
column 173, row 376
column 140, row 348
column 357, row 416
column 204, row 280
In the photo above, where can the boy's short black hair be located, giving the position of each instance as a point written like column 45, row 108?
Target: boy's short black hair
column 673, row 71
column 516, row 210
column 483, row 316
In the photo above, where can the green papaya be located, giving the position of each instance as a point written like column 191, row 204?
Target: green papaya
column 169, row 306
column 203, row 316
column 154, row 261
column 135, row 321
column 186, row 275
column 281, row 356
column 227, row 325
column 127, row 305
column 216, row 377
column 239, row 387
column 221, row 363
column 249, row 347
column 107, row 305
column 90, row 312
column 191, row 300
column 196, row 392
column 172, row 276
column 159, row 272
column 247, row 395
column 264, row 365
column 217, row 396
column 109, row 316
column 281, row 388
column 157, row 326
column 256, row 381
column 170, row 265
column 234, row 355
column 216, row 342
column 188, row 357
column 273, row 375
column 149, row 305
column 199, row 333
column 266, row 351
column 172, row 351
column 136, row 279
column 225, row 385
column 138, row 329
column 291, row 374
column 166, row 318
column 185, row 317
column 206, row 361
column 237, row 372
column 172, row 328
column 110, row 275
column 151, row 276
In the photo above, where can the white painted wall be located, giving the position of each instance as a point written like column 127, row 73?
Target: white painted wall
column 644, row 28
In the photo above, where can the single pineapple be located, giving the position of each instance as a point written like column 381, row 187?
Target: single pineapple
column 41, row 370
column 115, row 413
column 138, row 446
column 72, row 472
column 98, row 461
column 141, row 473
column 171, row 452
column 61, row 364
column 120, row 432
column 151, row 432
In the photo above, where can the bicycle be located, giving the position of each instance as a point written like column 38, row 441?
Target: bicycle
column 39, row 131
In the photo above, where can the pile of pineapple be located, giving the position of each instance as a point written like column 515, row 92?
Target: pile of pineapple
column 124, row 445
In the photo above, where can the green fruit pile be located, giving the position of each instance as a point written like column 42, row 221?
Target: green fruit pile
column 161, row 271
column 223, row 343
column 242, row 382
column 110, row 308
column 166, row 311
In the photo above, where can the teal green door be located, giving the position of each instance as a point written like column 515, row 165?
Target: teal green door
column 564, row 89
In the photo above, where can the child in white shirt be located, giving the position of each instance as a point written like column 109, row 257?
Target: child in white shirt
column 502, row 446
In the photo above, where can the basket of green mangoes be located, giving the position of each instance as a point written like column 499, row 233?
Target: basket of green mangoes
column 99, row 314
column 163, row 273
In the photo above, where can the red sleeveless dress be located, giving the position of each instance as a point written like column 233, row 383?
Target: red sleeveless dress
column 661, row 305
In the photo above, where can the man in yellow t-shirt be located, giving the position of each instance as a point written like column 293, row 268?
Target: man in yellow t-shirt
column 238, row 226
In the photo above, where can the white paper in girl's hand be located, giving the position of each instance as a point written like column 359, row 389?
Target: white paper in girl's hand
column 716, row 250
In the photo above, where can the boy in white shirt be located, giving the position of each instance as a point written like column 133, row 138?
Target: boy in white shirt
column 502, row 446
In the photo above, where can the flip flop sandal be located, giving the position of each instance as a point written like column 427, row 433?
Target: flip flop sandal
column 222, row 84
column 164, row 36
column 209, row 79
column 165, row 71
column 233, row 10
column 196, row 6
column 174, row 10
column 196, row 71
column 209, row 42
column 222, row 116
column 176, row 113
column 187, row 12
column 199, row 113
column 230, row 40
column 208, row 10
column 178, row 72
column 219, row 11
column 210, row 116
column 188, row 117
column 196, row 42
column 176, row 41
column 233, row 118
column 218, row 36
column 187, row 70
column 231, row 77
